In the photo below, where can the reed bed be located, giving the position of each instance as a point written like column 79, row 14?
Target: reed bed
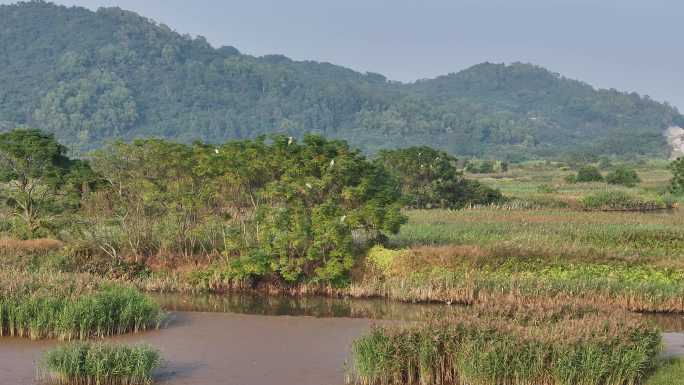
column 649, row 238
column 72, row 307
column 511, row 345
column 99, row 364
column 468, row 281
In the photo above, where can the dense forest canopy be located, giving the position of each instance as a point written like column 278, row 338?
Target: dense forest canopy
column 90, row 77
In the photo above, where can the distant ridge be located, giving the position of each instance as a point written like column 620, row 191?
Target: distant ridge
column 93, row 76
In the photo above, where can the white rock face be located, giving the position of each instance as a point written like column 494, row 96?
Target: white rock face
column 675, row 136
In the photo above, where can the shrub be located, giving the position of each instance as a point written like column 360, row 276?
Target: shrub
column 430, row 179
column 623, row 176
column 98, row 363
column 547, row 189
column 483, row 167
column 620, row 200
column 677, row 168
column 570, row 178
column 382, row 259
column 589, row 174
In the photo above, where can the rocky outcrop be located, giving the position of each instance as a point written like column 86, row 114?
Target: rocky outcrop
column 675, row 136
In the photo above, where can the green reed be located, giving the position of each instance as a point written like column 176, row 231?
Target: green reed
column 536, row 346
column 99, row 363
column 39, row 307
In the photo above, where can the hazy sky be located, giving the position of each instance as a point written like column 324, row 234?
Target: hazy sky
column 631, row 45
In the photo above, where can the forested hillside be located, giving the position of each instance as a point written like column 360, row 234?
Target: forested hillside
column 93, row 76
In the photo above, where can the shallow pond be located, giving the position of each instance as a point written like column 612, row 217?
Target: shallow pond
column 256, row 340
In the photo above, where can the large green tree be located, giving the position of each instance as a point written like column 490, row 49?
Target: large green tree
column 37, row 176
column 273, row 207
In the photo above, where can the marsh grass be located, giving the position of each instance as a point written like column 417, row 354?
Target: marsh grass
column 631, row 260
column 653, row 238
column 72, row 307
column 670, row 372
column 617, row 200
column 469, row 275
column 99, row 364
column 510, row 345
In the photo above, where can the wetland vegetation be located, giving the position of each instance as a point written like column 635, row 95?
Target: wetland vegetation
column 87, row 363
column 71, row 307
column 511, row 344
column 535, row 252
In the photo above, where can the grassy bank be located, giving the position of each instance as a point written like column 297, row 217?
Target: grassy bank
column 512, row 345
column 71, row 306
column 467, row 276
column 103, row 364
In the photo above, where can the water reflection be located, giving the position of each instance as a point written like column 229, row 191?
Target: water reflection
column 326, row 307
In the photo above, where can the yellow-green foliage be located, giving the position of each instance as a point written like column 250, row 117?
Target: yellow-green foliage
column 382, row 259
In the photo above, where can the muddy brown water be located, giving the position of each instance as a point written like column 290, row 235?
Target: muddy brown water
column 253, row 340
column 225, row 348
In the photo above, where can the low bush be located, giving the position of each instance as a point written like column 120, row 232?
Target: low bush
column 588, row 174
column 623, row 176
column 98, row 363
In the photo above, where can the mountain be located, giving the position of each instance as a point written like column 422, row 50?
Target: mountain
column 90, row 77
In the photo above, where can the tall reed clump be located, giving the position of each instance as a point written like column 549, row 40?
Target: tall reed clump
column 98, row 363
column 518, row 347
column 42, row 306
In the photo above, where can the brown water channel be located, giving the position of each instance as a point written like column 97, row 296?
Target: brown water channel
column 255, row 340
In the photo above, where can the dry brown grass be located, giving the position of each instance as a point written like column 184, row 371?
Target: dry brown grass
column 10, row 246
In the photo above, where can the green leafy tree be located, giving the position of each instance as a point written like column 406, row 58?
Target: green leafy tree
column 322, row 194
column 430, row 179
column 33, row 170
column 274, row 208
column 588, row 174
column 677, row 168
column 623, row 176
